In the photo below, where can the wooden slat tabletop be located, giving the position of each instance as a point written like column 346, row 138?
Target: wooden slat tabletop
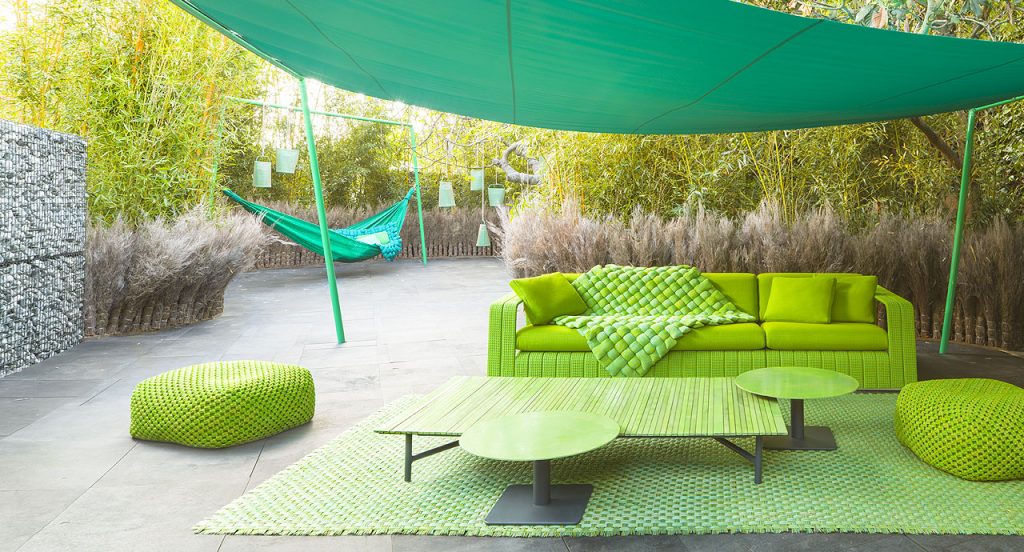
column 643, row 407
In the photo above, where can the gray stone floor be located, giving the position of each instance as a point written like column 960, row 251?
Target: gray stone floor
column 72, row 479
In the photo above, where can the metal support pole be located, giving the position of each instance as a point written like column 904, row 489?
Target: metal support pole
column 419, row 199
column 321, row 212
column 958, row 233
column 542, row 482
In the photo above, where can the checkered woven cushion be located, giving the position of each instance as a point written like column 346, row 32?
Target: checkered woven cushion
column 221, row 404
column 972, row 428
column 636, row 314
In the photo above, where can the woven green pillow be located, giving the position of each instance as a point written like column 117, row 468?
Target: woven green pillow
column 801, row 300
column 855, row 299
column 545, row 297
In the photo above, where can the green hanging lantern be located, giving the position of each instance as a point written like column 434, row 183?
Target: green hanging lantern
column 445, row 194
column 287, row 158
column 261, row 174
column 496, row 196
column 483, row 239
column 476, row 182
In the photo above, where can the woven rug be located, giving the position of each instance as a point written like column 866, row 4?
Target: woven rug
column 354, row 486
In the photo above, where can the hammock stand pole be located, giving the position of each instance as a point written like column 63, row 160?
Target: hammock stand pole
column 961, row 214
column 321, row 212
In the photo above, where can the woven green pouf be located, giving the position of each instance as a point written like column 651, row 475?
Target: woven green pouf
column 220, row 404
column 972, row 428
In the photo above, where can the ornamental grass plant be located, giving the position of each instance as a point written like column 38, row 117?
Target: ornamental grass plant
column 910, row 255
column 164, row 273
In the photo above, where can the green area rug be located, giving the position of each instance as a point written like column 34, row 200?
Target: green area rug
column 354, row 486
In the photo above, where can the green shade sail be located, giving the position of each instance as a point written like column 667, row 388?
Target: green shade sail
column 623, row 66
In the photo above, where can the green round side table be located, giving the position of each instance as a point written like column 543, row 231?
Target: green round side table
column 798, row 383
column 539, row 437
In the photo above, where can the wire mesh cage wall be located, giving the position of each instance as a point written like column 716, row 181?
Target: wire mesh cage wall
column 42, row 243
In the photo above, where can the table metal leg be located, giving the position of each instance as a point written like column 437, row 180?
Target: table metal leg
column 542, row 482
column 796, row 419
column 410, row 457
column 758, row 455
column 801, row 436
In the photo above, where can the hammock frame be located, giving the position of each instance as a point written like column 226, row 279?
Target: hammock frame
column 326, row 233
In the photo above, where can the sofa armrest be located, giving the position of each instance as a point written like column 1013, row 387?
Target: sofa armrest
column 501, row 335
column 899, row 316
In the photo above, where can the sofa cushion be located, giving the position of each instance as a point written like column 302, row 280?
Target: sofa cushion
column 547, row 296
column 764, row 284
column 838, row 336
column 728, row 337
column 739, row 287
column 855, row 299
column 801, row 300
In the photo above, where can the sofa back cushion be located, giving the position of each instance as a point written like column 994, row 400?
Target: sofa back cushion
column 739, row 287
column 847, row 306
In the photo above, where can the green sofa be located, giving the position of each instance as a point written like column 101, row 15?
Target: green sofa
column 879, row 358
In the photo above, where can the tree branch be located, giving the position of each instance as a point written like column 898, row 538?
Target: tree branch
column 947, row 151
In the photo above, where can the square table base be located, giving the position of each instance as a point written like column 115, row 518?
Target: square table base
column 516, row 506
column 814, row 438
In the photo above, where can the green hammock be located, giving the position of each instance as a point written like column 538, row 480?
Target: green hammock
column 377, row 235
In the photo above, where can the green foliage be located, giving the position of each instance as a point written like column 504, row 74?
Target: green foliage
column 141, row 80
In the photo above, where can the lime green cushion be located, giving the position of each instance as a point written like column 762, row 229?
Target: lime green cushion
column 547, row 296
column 220, row 404
column 801, row 300
column 855, row 299
column 739, row 287
column 972, row 428
column 837, row 336
column 765, row 279
column 378, row 238
column 729, row 337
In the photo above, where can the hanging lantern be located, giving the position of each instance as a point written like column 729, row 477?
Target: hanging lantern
column 483, row 239
column 287, row 158
column 261, row 174
column 476, row 182
column 496, row 196
column 445, row 194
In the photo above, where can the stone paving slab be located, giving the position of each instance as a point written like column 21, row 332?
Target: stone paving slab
column 74, row 480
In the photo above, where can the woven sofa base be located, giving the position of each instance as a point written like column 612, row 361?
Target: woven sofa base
column 871, row 368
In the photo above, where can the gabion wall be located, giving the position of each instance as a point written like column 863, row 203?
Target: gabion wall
column 42, row 243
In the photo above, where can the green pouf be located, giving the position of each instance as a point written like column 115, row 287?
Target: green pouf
column 972, row 428
column 220, row 404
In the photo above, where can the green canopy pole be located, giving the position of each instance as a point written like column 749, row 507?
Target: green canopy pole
column 216, row 160
column 419, row 199
column 958, row 233
column 321, row 212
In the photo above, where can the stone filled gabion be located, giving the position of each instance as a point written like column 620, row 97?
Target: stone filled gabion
column 42, row 243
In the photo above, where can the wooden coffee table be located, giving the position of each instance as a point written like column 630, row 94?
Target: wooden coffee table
column 798, row 383
column 540, row 437
column 712, row 408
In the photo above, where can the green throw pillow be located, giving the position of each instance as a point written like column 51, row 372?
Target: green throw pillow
column 545, row 297
column 855, row 299
column 801, row 300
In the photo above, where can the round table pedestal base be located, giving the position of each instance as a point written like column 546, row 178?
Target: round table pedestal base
column 516, row 507
column 814, row 438
column 541, row 503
